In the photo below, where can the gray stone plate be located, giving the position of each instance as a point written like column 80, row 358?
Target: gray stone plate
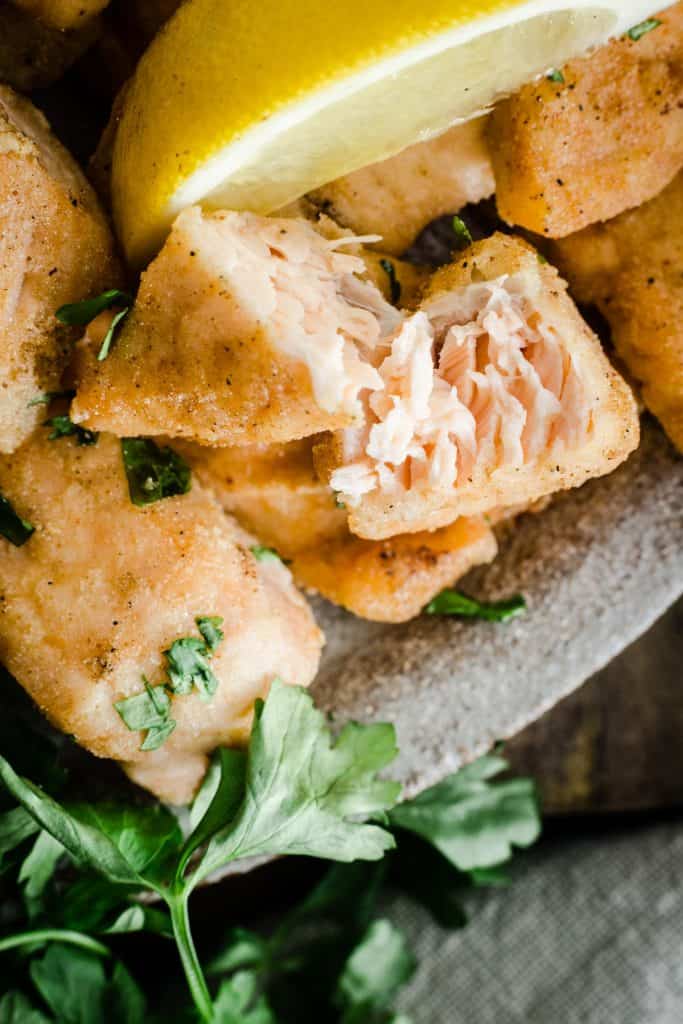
column 597, row 568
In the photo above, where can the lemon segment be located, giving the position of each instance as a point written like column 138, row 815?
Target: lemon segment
column 249, row 106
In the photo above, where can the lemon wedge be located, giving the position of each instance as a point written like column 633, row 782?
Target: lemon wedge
column 247, row 105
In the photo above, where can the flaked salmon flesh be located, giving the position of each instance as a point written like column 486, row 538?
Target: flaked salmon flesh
column 245, row 329
column 475, row 380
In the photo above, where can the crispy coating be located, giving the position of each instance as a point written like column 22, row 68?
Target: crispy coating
column 398, row 197
column 224, row 351
column 274, row 493
column 587, row 431
column 632, row 269
column 55, row 247
column 608, row 138
column 62, row 14
column 103, row 587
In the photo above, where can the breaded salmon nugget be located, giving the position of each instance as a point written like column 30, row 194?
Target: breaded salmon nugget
column 62, row 14
column 103, row 588
column 398, row 197
column 275, row 494
column 496, row 393
column 245, row 329
column 55, row 248
column 606, row 138
column 632, row 269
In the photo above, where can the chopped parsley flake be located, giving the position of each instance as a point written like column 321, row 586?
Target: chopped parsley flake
column 394, row 283
column 452, row 602
column 463, row 238
column 148, row 711
column 555, row 76
column 338, row 502
column 83, row 313
column 12, row 527
column 49, row 396
column 153, row 473
column 264, row 554
column 638, row 31
column 62, row 426
column 187, row 667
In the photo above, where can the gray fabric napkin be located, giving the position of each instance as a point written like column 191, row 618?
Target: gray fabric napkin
column 590, row 931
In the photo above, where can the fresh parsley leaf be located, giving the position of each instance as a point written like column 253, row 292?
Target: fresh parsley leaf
column 638, row 31
column 73, row 983
column 86, row 842
column 188, row 667
column 244, row 951
column 153, row 473
column 38, row 869
column 137, row 918
column 16, row 1009
column 49, row 396
column 12, row 527
column 463, row 238
column 80, row 314
column 108, row 339
column 375, row 972
column 148, row 837
column 555, row 76
column 217, row 802
column 473, row 822
column 239, row 1002
column 452, row 602
column 150, row 711
column 305, row 795
column 15, row 826
column 125, row 999
column 394, row 283
column 62, row 426
column 210, row 628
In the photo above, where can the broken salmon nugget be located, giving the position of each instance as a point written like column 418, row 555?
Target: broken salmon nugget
column 632, row 269
column 55, row 247
column 275, row 494
column 601, row 136
column 146, row 628
column 496, row 393
column 398, row 197
column 245, row 329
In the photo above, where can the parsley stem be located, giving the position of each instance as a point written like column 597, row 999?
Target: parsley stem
column 177, row 900
column 42, row 935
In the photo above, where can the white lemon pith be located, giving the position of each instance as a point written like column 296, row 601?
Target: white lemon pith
column 248, row 106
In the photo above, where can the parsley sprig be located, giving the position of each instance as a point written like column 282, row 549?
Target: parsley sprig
column 63, row 426
column 294, row 790
column 153, row 473
column 12, row 527
column 452, row 602
column 80, row 314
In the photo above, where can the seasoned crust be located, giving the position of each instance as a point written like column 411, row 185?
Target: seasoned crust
column 609, row 137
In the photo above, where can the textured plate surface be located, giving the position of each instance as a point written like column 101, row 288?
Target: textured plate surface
column 597, row 568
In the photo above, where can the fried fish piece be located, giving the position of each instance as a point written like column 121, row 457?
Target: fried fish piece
column 245, row 329
column 607, row 138
column 103, row 588
column 398, row 197
column 34, row 55
column 632, row 269
column 273, row 491
column 62, row 14
column 55, row 247
column 496, row 394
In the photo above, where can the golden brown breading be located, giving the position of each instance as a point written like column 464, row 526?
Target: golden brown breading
column 496, row 394
column 92, row 600
column 55, row 247
column 398, row 197
column 632, row 268
column 245, row 329
column 275, row 494
column 609, row 137
column 62, row 14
